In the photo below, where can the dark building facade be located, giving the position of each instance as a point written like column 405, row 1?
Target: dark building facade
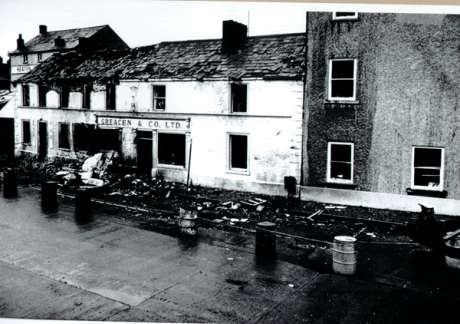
column 382, row 96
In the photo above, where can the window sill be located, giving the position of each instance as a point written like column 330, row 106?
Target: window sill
column 64, row 149
column 171, row 166
column 238, row 171
column 427, row 193
column 340, row 185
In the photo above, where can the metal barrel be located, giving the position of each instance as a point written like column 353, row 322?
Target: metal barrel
column 344, row 255
column 265, row 239
column 10, row 184
column 49, row 195
column 83, row 204
column 187, row 222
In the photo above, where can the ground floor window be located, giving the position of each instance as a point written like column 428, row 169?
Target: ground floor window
column 340, row 162
column 26, row 132
column 171, row 149
column 238, row 152
column 64, row 142
column 427, row 168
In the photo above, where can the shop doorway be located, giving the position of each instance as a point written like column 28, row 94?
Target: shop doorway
column 42, row 140
column 144, row 152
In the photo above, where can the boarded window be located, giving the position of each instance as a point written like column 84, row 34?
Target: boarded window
column 159, row 97
column 340, row 162
column 26, row 132
column 25, row 95
column 110, row 96
column 428, row 168
column 238, row 97
column 64, row 142
column 42, row 90
column 342, row 15
column 342, row 79
column 87, row 96
column 171, row 149
column 238, row 152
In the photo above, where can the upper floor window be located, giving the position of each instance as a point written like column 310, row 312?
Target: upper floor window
column 238, row 97
column 340, row 161
column 342, row 79
column 26, row 132
column 42, row 90
column 25, row 59
column 86, row 96
column 344, row 15
column 159, row 97
column 110, row 96
column 39, row 57
column 427, row 168
column 25, row 95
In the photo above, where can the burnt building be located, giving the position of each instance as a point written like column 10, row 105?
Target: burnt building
column 239, row 99
column 381, row 101
column 29, row 54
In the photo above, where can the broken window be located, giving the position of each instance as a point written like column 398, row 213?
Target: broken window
column 64, row 142
column 342, row 15
column 87, row 96
column 110, row 96
column 427, row 168
column 42, row 90
column 238, row 97
column 83, row 137
column 25, row 95
column 171, row 149
column 238, row 145
column 26, row 132
column 342, row 79
column 92, row 140
column 65, row 92
column 159, row 97
column 340, row 162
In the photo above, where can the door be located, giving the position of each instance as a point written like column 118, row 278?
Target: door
column 42, row 140
column 7, row 137
column 144, row 152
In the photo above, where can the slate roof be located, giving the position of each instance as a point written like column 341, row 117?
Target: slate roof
column 270, row 57
column 41, row 43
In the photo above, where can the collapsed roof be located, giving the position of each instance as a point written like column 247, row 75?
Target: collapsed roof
column 276, row 57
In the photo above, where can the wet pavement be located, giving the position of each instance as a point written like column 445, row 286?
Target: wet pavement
column 53, row 266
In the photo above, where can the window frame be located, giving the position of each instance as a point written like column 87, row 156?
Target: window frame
column 441, row 169
column 230, row 169
column 231, row 97
column 39, row 57
column 171, row 166
column 68, row 136
column 25, row 59
column 110, row 97
column 329, row 90
column 351, row 17
column 352, row 162
column 25, row 86
column 30, row 131
column 154, row 98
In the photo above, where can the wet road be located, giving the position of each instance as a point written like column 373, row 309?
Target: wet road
column 52, row 267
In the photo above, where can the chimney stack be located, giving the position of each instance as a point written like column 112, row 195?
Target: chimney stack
column 59, row 42
column 20, row 43
column 234, row 36
column 43, row 29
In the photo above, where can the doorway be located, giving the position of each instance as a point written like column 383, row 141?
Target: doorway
column 144, row 152
column 42, row 140
column 7, row 136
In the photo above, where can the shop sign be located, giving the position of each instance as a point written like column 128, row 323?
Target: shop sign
column 21, row 69
column 171, row 124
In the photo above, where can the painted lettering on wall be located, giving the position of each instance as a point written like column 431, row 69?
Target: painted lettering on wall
column 142, row 123
column 22, row 68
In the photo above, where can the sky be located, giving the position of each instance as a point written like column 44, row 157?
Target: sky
column 145, row 22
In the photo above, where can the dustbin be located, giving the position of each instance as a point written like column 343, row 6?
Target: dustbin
column 83, row 204
column 49, row 195
column 10, row 184
column 265, row 239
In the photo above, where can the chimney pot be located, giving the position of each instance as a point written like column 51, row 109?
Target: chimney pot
column 20, row 43
column 234, row 36
column 43, row 29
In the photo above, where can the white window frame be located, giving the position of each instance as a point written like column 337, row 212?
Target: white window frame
column 350, row 17
column 229, row 154
column 170, row 166
column 352, row 162
column 441, row 171
column 329, row 94
column 155, row 98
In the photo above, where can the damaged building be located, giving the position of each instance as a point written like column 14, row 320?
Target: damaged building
column 382, row 96
column 223, row 112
